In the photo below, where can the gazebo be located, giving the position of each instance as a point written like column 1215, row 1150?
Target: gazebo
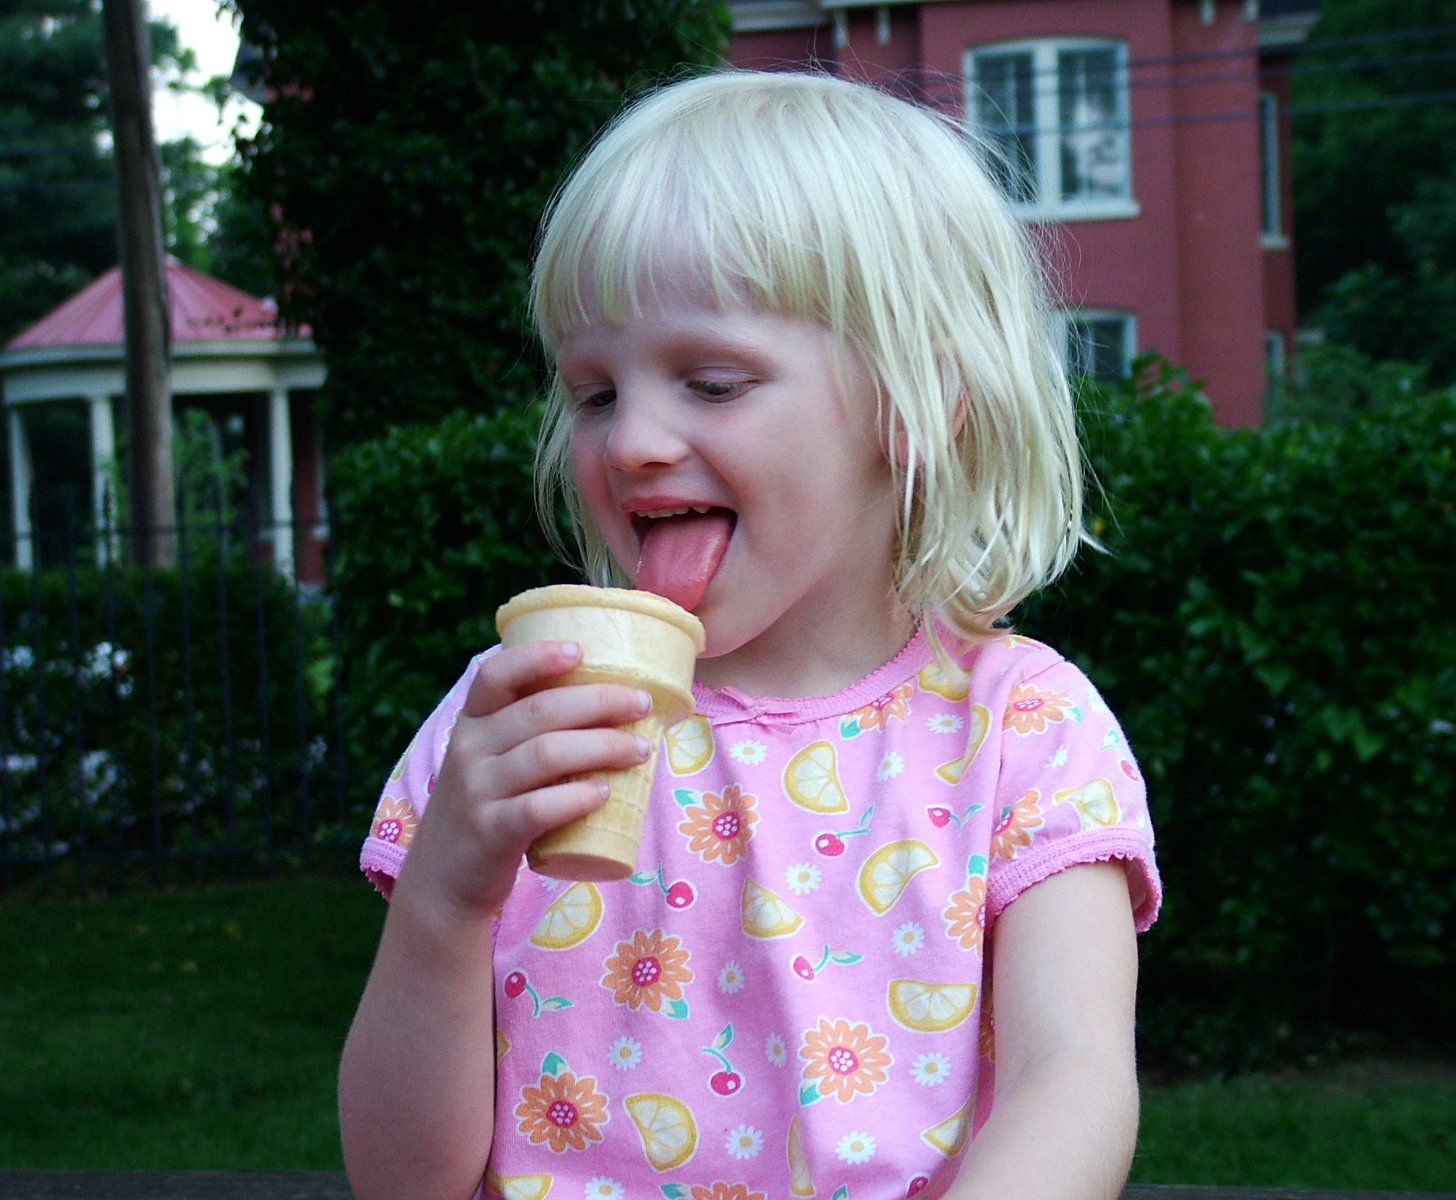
column 227, row 348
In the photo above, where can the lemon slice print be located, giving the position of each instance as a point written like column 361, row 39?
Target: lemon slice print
column 950, row 682
column 801, row 1183
column 949, row 1136
column 1095, row 803
column 689, row 746
column 519, row 1187
column 811, row 779
column 952, row 771
column 930, row 1007
column 888, row 871
column 666, row 1126
column 766, row 915
column 572, row 918
column 502, row 1045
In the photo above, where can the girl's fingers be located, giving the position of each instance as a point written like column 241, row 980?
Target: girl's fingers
column 518, row 671
column 554, row 757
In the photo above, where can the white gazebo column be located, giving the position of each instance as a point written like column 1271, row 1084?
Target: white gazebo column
column 103, row 464
column 21, row 475
column 280, row 456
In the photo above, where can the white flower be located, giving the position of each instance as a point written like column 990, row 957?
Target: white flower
column 890, row 766
column 856, row 1148
column 775, row 1050
column 803, row 878
column 907, row 939
column 730, row 978
column 745, row 1142
column 944, row 723
column 625, row 1053
column 1058, row 759
column 599, row 1187
column 930, row 1069
column 749, row 752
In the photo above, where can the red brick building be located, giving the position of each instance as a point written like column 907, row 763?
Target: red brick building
column 1145, row 140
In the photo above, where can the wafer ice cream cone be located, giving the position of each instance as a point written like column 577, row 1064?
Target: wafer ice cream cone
column 629, row 637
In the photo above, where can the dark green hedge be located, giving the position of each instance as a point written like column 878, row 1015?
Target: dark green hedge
column 1273, row 621
column 151, row 717
column 436, row 528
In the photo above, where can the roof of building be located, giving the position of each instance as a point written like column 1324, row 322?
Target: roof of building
column 203, row 309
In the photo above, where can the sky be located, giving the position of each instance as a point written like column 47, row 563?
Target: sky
column 211, row 36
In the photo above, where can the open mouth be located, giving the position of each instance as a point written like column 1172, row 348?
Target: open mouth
column 680, row 549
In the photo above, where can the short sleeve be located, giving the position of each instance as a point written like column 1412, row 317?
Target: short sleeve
column 1069, row 790
column 406, row 792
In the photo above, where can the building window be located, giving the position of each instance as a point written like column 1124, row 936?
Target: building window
column 1269, row 168
column 1099, row 344
column 1056, row 116
column 1276, row 364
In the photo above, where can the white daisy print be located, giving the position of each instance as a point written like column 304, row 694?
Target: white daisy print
column 748, row 752
column 930, row 1069
column 803, row 878
column 890, row 766
column 599, row 1187
column 907, row 939
column 855, row 1148
column 944, row 723
column 775, row 1050
column 625, row 1053
column 745, row 1142
column 1058, row 759
column 730, row 978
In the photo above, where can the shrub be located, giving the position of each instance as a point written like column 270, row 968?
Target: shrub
column 1272, row 623
column 435, row 529
column 159, row 714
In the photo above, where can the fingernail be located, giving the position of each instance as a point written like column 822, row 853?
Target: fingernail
column 644, row 701
column 571, row 649
column 644, row 748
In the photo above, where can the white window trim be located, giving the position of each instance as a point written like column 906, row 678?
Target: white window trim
column 1127, row 320
column 1044, row 53
column 1271, row 210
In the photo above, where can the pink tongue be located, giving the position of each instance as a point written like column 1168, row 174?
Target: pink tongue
column 680, row 554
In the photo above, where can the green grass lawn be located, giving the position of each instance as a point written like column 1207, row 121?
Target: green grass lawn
column 202, row 1029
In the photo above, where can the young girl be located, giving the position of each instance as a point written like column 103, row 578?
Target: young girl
column 881, row 939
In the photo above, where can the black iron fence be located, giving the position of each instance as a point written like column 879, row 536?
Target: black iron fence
column 168, row 724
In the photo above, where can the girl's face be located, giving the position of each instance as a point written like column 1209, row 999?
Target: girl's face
column 749, row 418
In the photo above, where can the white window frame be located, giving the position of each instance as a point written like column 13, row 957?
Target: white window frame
column 1070, row 319
column 1271, row 217
column 1047, row 133
column 1276, row 362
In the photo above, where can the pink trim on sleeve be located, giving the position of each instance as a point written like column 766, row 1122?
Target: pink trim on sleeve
column 1126, row 843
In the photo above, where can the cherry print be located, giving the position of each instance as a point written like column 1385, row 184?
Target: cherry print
column 725, row 1083
column 515, row 984
column 917, row 1185
column 803, row 969
column 939, row 817
column 681, row 895
column 828, row 844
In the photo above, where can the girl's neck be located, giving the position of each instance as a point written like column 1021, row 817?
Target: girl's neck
column 810, row 663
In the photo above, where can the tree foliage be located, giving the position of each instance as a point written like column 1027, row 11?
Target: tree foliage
column 1375, row 178
column 57, row 190
column 408, row 150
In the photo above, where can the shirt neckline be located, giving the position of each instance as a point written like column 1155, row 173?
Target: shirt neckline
column 729, row 703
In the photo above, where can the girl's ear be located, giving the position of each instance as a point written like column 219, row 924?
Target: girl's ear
column 899, row 449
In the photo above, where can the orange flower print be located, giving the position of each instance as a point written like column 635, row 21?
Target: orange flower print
column 719, row 827
column 988, row 1029
column 724, row 1191
column 1018, row 824
column 649, row 971
column 894, row 705
column 395, row 821
column 847, row 1060
column 563, row 1111
column 1031, row 710
column 965, row 916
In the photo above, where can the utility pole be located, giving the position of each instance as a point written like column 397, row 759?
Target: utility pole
column 144, row 283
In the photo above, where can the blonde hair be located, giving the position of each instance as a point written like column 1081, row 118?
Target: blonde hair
column 806, row 195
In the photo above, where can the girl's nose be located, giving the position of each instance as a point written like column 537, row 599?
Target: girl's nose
column 642, row 435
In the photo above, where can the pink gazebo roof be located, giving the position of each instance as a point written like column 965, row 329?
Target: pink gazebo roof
column 204, row 309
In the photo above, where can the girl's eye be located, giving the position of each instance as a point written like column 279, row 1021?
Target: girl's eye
column 591, row 401
column 717, row 389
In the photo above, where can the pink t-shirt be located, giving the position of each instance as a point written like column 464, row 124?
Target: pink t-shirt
column 788, row 998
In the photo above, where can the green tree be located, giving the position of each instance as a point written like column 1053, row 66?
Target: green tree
column 408, row 149
column 57, row 188
column 1375, row 175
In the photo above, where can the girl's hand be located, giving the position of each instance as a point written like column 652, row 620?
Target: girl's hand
column 510, row 773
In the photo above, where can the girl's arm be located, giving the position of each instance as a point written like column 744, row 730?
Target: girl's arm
column 417, row 1080
column 1064, row 1120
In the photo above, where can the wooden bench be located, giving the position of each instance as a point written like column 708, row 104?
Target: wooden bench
column 329, row 1185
